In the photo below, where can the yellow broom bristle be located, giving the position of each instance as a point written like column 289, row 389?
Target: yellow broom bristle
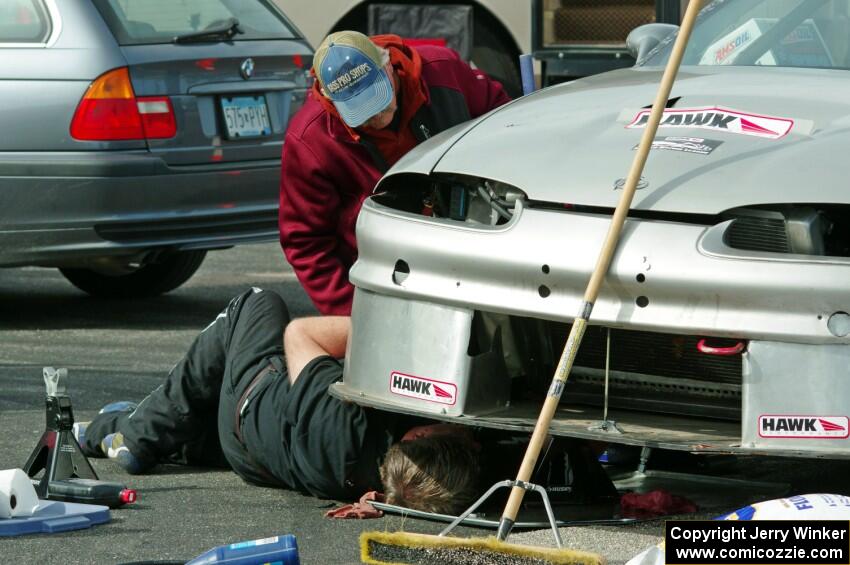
column 405, row 548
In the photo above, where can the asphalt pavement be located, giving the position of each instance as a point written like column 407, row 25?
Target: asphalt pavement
column 120, row 350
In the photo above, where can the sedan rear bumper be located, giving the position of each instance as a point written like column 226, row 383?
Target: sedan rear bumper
column 62, row 209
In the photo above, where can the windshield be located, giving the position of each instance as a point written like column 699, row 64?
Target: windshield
column 140, row 22
column 770, row 33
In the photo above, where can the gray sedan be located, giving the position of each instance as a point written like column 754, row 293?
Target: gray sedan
column 139, row 134
column 723, row 323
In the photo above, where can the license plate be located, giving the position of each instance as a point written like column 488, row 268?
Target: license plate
column 246, row 116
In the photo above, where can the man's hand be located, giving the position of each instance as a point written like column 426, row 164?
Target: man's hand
column 307, row 338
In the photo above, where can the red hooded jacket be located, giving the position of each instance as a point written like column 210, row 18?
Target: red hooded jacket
column 328, row 169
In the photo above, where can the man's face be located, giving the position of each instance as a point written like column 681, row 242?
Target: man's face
column 384, row 118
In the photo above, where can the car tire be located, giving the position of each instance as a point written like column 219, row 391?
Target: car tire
column 148, row 280
column 492, row 51
column 493, row 56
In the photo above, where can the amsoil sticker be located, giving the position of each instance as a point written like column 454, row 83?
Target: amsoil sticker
column 724, row 50
column 423, row 389
column 696, row 145
column 802, row 47
column 804, row 427
column 719, row 119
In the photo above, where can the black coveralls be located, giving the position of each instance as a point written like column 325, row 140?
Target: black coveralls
column 229, row 401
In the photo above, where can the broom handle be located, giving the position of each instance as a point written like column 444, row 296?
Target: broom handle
column 541, row 429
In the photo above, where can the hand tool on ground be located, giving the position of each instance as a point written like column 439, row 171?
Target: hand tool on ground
column 68, row 476
column 402, row 547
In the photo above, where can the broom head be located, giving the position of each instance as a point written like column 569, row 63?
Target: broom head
column 404, row 548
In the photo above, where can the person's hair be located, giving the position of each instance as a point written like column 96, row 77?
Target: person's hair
column 434, row 474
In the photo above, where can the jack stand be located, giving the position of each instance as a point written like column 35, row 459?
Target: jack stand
column 68, row 475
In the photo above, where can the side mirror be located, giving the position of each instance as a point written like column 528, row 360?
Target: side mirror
column 644, row 38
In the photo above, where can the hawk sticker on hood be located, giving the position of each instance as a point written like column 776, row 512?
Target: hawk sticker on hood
column 719, row 119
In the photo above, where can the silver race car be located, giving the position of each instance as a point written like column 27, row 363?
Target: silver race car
column 723, row 323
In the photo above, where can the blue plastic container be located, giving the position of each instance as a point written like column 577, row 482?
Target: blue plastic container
column 277, row 550
column 53, row 517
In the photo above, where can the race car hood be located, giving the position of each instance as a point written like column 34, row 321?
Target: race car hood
column 730, row 137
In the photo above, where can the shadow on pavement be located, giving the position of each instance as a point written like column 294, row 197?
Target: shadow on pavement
column 176, row 311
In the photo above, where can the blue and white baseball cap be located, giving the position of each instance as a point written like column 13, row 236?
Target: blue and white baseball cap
column 351, row 73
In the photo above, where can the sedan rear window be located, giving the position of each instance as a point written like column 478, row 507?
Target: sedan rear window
column 23, row 21
column 140, row 22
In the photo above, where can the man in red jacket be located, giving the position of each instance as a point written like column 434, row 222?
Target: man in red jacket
column 372, row 102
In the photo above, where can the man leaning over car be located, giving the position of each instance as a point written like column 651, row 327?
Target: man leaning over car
column 372, row 102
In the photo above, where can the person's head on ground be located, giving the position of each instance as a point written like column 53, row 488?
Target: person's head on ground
column 356, row 75
column 432, row 472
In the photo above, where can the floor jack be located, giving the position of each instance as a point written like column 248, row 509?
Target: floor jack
column 68, row 476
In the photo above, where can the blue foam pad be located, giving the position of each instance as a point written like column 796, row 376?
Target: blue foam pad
column 53, row 517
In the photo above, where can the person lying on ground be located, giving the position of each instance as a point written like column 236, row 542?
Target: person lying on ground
column 251, row 394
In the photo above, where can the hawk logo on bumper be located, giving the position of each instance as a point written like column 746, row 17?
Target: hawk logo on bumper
column 804, row 427
column 423, row 389
column 719, row 119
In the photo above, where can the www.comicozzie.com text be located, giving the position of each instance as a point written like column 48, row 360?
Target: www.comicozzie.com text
column 765, row 532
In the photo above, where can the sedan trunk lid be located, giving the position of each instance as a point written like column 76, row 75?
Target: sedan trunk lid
column 232, row 101
column 232, row 71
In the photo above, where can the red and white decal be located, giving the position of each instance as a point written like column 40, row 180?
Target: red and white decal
column 803, row 427
column 719, row 119
column 423, row 389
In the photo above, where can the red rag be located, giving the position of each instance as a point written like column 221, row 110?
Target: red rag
column 362, row 510
column 654, row 503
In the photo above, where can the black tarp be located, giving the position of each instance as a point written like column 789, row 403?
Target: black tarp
column 425, row 21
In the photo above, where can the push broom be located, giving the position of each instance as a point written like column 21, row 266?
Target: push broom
column 398, row 548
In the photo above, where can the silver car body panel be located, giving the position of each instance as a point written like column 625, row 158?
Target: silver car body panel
column 463, row 387
column 428, row 342
column 570, row 143
column 796, row 383
column 41, row 85
column 501, row 270
column 428, row 153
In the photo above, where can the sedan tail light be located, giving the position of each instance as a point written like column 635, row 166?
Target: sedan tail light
column 110, row 111
column 157, row 117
